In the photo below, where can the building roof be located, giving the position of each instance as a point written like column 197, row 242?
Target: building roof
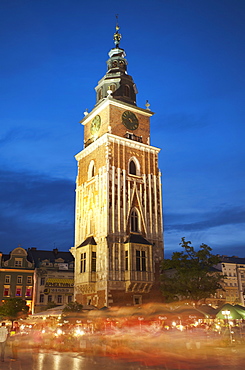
column 233, row 259
column 137, row 239
column 40, row 255
column 88, row 241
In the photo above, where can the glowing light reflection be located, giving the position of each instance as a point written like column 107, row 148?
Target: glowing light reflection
column 40, row 360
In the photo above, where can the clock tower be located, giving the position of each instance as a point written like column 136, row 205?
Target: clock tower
column 118, row 215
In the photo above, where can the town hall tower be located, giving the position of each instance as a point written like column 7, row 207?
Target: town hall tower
column 118, row 214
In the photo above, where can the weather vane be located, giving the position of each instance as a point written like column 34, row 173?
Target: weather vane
column 117, row 36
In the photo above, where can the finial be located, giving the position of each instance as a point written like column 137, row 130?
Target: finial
column 86, row 112
column 109, row 92
column 147, row 105
column 117, row 36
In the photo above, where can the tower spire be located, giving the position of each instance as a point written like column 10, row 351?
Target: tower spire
column 117, row 36
column 116, row 80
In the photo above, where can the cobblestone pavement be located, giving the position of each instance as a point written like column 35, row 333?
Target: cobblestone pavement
column 222, row 358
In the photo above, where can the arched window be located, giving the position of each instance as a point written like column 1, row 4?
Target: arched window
column 134, row 221
column 112, row 87
column 132, row 168
column 126, row 90
column 91, row 171
column 100, row 94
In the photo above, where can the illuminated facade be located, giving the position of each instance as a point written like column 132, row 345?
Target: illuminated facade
column 119, row 225
column 17, row 276
column 233, row 268
column 53, row 278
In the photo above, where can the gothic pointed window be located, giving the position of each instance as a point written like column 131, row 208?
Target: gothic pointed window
column 134, row 221
column 91, row 170
column 132, row 168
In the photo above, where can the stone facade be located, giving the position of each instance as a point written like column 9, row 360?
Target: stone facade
column 118, row 225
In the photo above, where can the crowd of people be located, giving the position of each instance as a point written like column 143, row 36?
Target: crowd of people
column 149, row 341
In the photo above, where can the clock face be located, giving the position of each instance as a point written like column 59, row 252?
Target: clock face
column 95, row 125
column 130, row 120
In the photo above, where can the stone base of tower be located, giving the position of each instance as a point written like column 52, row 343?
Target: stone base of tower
column 120, row 297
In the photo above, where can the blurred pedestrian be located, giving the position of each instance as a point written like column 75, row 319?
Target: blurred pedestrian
column 14, row 340
column 3, row 339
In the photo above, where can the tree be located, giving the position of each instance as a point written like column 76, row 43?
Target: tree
column 73, row 307
column 14, row 309
column 191, row 275
column 51, row 305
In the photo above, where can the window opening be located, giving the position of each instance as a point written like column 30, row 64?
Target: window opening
column 126, row 260
column 69, row 298
column 140, row 260
column 18, row 262
column 93, row 262
column 126, row 90
column 132, row 168
column 6, row 292
column 83, row 262
column 134, row 221
column 7, row 279
column 41, row 298
column 18, row 292
column 100, row 94
column 28, row 292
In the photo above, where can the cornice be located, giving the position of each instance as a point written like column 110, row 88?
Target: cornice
column 106, row 138
column 117, row 103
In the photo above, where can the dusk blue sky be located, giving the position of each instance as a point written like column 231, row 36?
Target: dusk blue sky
column 186, row 57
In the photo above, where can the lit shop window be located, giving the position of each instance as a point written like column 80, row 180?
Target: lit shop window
column 28, row 292
column 6, row 292
column 18, row 292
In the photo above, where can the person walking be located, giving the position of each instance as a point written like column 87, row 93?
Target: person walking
column 14, row 340
column 3, row 339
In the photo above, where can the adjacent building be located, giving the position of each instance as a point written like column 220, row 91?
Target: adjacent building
column 119, row 225
column 233, row 292
column 53, row 278
column 17, row 276
column 42, row 278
